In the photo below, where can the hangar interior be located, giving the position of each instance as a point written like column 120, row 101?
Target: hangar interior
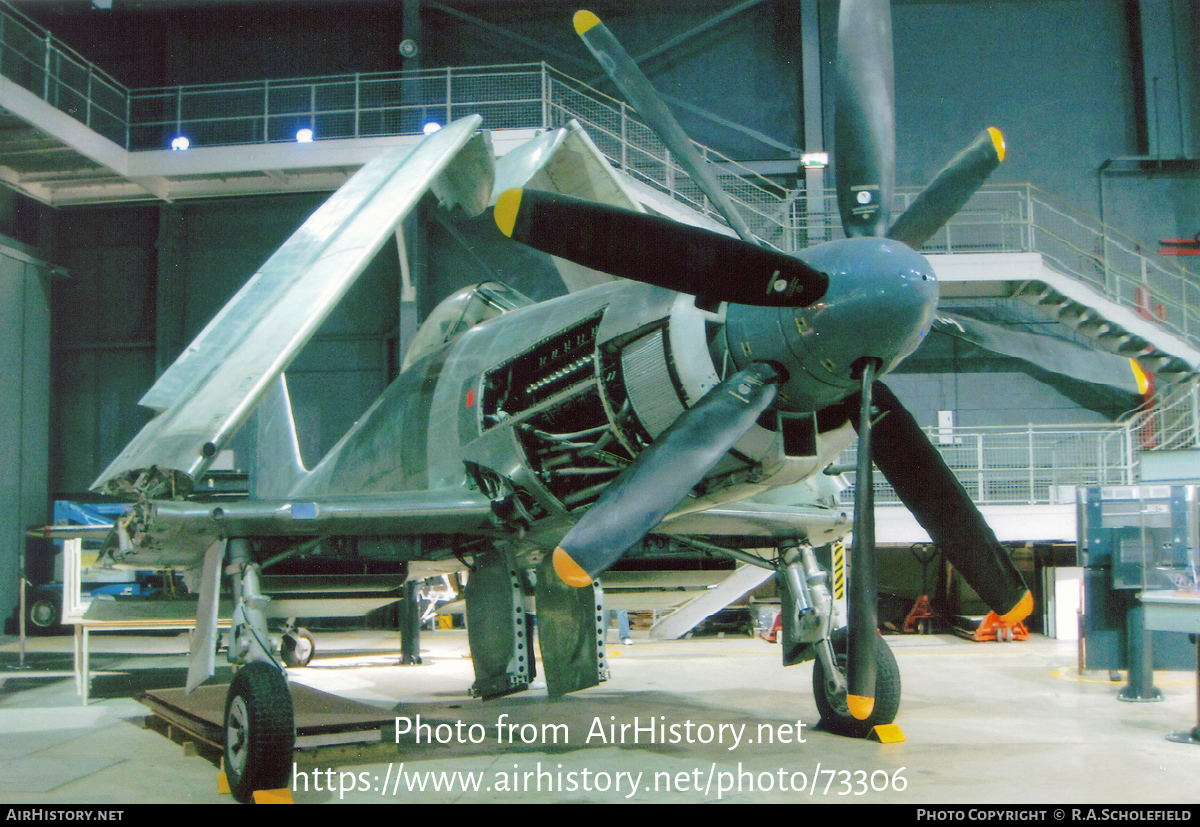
column 1078, row 367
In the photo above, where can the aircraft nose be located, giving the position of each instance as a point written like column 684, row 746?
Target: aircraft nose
column 880, row 305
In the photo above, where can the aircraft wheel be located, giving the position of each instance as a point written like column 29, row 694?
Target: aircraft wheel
column 887, row 691
column 298, row 649
column 259, row 731
column 43, row 612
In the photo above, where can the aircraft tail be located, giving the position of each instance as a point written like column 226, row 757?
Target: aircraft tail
column 278, row 466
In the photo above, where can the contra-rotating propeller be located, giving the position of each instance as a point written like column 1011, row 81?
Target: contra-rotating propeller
column 717, row 268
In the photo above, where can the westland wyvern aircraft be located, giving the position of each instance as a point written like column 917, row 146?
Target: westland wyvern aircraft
column 553, row 437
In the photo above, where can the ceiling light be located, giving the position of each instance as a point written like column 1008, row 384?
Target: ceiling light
column 814, row 160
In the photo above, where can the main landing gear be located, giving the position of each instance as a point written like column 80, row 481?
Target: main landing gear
column 260, row 724
column 259, row 731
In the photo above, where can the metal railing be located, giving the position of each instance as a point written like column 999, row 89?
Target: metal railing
column 632, row 147
column 335, row 107
column 40, row 63
column 1039, row 464
column 997, row 219
column 1171, row 422
column 1115, row 265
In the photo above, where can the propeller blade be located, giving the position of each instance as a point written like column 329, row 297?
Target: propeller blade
column 940, row 504
column 863, row 612
column 864, row 122
column 663, row 474
column 656, row 250
column 640, row 93
column 950, row 189
column 1120, row 380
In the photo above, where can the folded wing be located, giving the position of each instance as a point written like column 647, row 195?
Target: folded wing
column 207, row 395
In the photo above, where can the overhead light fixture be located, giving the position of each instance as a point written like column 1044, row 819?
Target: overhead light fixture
column 431, row 127
column 180, row 143
column 304, row 136
column 814, row 160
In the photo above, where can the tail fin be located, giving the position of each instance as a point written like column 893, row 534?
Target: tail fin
column 278, row 466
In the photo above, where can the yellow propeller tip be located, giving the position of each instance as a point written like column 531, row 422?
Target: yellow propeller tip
column 1019, row 612
column 585, row 21
column 507, row 207
column 997, row 141
column 1144, row 385
column 860, row 706
column 569, row 571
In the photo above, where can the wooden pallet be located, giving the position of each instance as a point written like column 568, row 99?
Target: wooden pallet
column 322, row 720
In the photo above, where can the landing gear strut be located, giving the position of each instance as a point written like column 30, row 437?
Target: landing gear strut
column 807, row 620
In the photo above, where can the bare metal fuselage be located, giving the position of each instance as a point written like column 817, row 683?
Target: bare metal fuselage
column 511, row 429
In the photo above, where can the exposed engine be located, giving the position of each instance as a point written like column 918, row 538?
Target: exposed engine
column 584, row 402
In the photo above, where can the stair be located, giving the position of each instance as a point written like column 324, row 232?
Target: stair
column 71, row 134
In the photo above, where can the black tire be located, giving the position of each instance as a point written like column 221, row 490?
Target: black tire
column 259, row 731
column 887, row 691
column 298, row 650
column 43, row 611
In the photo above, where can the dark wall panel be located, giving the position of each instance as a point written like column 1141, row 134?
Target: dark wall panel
column 24, row 409
column 105, row 316
column 1054, row 75
column 103, row 337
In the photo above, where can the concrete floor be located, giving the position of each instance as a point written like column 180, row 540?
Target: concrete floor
column 984, row 723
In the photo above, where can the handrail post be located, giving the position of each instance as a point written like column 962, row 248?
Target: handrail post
column 1110, row 278
column 1032, row 224
column 46, row 70
column 545, row 97
column 1186, row 313
column 1195, row 394
column 449, row 95
column 1129, row 455
column 1032, row 476
column 1102, row 458
column 624, row 136
column 357, row 105
column 979, row 464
